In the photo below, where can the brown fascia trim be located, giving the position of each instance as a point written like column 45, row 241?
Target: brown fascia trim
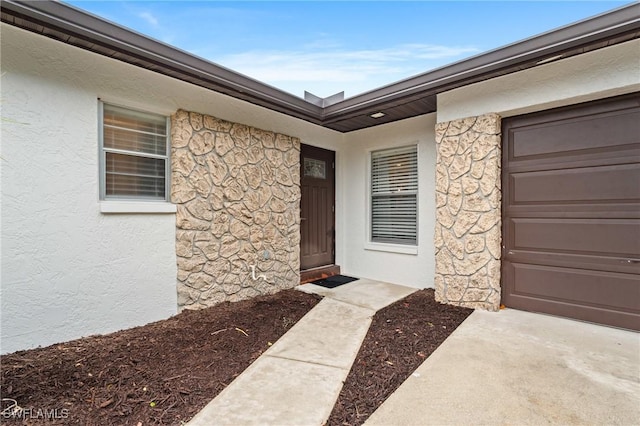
column 510, row 58
column 133, row 47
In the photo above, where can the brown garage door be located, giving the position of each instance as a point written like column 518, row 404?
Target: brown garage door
column 571, row 212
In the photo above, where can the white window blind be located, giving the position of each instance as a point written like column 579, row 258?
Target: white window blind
column 134, row 154
column 394, row 196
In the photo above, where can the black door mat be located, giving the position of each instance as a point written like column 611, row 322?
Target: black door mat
column 334, row 281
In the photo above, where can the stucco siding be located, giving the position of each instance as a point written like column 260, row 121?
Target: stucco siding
column 598, row 74
column 69, row 270
column 414, row 270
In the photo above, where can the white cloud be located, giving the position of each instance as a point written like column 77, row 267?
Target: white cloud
column 326, row 69
column 149, row 18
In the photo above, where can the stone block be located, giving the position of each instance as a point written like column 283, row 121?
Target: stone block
column 474, row 243
column 196, row 120
column 489, row 124
column 471, row 263
column 184, row 220
column 444, row 217
column 200, row 209
column 223, row 143
column 476, row 203
column 210, row 249
column 215, row 124
column 486, row 221
column 454, row 203
column 182, row 162
column 459, row 166
column 455, row 287
column 469, row 185
column 477, row 170
column 454, row 244
column 217, row 168
column 181, row 193
column 494, row 241
column 184, row 243
column 444, row 262
column 200, row 181
column 284, row 143
column 237, row 191
column 201, row 143
column 464, row 222
column 476, row 295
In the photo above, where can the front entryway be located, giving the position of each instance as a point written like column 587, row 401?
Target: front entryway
column 571, row 212
column 317, row 218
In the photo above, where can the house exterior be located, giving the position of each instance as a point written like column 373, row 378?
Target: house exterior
column 91, row 244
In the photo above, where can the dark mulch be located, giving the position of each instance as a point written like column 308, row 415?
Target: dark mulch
column 161, row 373
column 165, row 372
column 401, row 337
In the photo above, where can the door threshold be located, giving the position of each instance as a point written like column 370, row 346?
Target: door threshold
column 313, row 274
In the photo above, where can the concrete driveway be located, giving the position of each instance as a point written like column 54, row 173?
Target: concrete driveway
column 516, row 367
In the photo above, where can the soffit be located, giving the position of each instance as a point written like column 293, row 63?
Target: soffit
column 407, row 98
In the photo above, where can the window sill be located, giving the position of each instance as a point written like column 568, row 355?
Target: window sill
column 391, row 248
column 136, row 207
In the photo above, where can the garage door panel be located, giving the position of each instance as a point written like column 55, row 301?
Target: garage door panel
column 619, row 210
column 629, row 154
column 571, row 212
column 578, row 134
column 605, row 290
column 613, row 317
column 587, row 262
column 613, row 237
column 591, row 184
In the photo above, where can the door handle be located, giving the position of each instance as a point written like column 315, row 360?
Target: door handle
column 303, row 218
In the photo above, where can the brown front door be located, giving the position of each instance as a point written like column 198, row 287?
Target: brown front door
column 571, row 212
column 317, row 181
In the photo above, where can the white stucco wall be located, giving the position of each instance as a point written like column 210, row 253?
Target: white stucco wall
column 67, row 269
column 598, row 74
column 415, row 270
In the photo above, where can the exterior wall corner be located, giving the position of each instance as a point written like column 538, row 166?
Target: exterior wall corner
column 468, row 212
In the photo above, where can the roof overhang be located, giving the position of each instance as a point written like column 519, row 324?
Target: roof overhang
column 407, row 98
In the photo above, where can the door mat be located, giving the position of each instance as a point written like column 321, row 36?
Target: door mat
column 334, row 281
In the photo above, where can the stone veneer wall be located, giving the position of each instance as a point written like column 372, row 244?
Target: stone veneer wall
column 237, row 191
column 468, row 209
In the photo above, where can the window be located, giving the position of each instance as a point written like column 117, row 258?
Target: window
column 134, row 155
column 394, row 196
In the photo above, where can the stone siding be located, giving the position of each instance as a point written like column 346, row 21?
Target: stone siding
column 237, row 191
column 468, row 212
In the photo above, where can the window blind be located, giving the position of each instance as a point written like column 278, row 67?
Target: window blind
column 135, row 154
column 394, row 196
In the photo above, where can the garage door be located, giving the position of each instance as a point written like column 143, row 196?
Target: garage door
column 571, row 212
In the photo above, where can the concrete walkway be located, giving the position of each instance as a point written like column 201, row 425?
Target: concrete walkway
column 298, row 379
column 520, row 368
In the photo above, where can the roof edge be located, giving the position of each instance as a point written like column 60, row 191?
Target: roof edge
column 76, row 27
column 84, row 25
column 618, row 21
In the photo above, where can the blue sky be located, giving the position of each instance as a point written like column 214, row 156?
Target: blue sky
column 330, row 46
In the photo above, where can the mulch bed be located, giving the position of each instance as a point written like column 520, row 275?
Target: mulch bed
column 167, row 371
column 400, row 338
column 161, row 373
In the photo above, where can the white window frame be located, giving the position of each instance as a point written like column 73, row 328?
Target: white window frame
column 115, row 204
column 402, row 248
